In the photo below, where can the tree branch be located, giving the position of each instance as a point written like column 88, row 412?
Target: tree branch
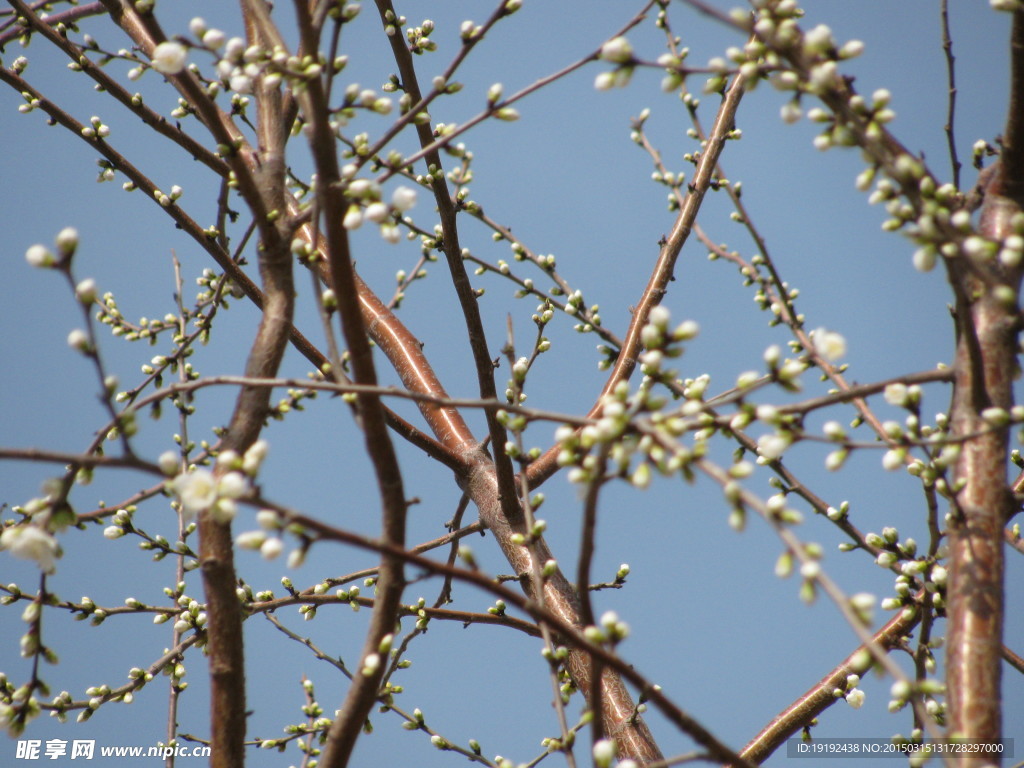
column 664, row 268
column 802, row 712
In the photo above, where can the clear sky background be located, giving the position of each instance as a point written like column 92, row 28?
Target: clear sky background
column 730, row 642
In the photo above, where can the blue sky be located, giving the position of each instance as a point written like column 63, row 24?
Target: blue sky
column 711, row 623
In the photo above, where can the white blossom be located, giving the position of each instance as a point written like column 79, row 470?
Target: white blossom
column 85, row 291
column 251, row 540
column 240, row 82
column 893, row 459
column 896, row 394
column 197, row 491
column 855, row 698
column 233, row 485
column 30, row 542
column 403, row 199
column 224, row 510
column 829, row 344
column 169, row 57
column 790, row 112
column 604, row 81
column 169, row 463
column 213, row 38
column 353, row 217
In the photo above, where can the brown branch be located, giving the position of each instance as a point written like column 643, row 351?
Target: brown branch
column 664, row 268
column 950, row 127
column 568, row 633
column 1012, row 155
column 331, row 202
column 441, row 614
column 802, row 712
column 984, row 365
column 1013, row 659
column 252, row 405
column 69, row 16
column 588, row 534
column 460, row 279
column 476, row 475
column 150, row 117
column 210, row 244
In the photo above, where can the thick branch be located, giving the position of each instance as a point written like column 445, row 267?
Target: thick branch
column 984, row 366
column 1013, row 136
column 457, row 268
column 363, row 692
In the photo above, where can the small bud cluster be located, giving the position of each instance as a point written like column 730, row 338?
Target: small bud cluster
column 623, row 412
column 367, row 205
column 201, row 491
column 609, row 631
column 617, row 51
column 42, row 257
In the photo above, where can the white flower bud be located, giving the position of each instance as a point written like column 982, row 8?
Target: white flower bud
column 617, row 50
column 376, row 212
column 353, row 217
column 39, row 256
column 67, row 241
column 85, row 291
column 78, row 339
column 271, row 548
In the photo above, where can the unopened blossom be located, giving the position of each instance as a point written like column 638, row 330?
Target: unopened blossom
column 376, row 212
column 67, row 241
column 169, row 463
column 772, row 446
column 353, row 218
column 893, row 459
column 39, row 256
column 271, row 548
column 85, row 291
column 251, row 540
column 790, row 112
column 233, row 485
column 604, row 752
column 78, row 339
column 254, row 457
column 617, row 50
